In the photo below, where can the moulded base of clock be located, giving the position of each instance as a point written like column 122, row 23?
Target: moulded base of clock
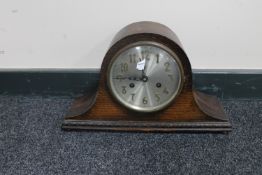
column 146, row 85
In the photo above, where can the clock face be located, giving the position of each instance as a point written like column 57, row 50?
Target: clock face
column 145, row 76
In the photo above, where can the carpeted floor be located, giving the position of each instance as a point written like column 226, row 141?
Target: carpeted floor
column 31, row 142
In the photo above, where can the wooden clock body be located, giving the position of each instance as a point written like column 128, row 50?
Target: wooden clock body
column 190, row 111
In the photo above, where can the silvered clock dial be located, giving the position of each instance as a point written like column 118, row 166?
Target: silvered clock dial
column 145, row 76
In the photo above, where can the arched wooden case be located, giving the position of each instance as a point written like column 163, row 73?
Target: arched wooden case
column 190, row 111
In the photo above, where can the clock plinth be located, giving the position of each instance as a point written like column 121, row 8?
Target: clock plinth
column 184, row 115
column 190, row 111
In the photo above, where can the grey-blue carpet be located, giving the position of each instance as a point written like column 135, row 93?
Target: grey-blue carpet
column 32, row 142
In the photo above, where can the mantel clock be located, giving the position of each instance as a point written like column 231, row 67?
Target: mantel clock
column 146, row 85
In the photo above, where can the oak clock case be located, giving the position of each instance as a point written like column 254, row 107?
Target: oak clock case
column 146, row 85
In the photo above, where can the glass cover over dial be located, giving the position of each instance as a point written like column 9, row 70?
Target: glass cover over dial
column 145, row 76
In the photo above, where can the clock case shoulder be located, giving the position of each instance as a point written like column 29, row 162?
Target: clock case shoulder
column 190, row 111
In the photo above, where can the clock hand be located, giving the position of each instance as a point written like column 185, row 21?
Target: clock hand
column 144, row 77
column 141, row 66
column 129, row 78
column 143, row 73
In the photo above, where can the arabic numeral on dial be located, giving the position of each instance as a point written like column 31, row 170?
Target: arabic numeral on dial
column 145, row 55
column 157, row 97
column 170, row 76
column 133, row 97
column 124, row 67
column 157, row 58
column 145, row 100
column 132, row 58
column 166, row 91
column 123, row 89
column 167, row 65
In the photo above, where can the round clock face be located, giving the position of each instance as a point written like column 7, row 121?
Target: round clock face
column 145, row 76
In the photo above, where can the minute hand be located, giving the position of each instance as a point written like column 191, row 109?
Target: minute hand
column 129, row 78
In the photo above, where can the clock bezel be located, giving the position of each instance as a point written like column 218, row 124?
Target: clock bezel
column 135, row 108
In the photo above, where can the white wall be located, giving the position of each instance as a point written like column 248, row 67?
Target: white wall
column 216, row 34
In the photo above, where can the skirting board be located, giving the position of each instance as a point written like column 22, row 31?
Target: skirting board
column 225, row 84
